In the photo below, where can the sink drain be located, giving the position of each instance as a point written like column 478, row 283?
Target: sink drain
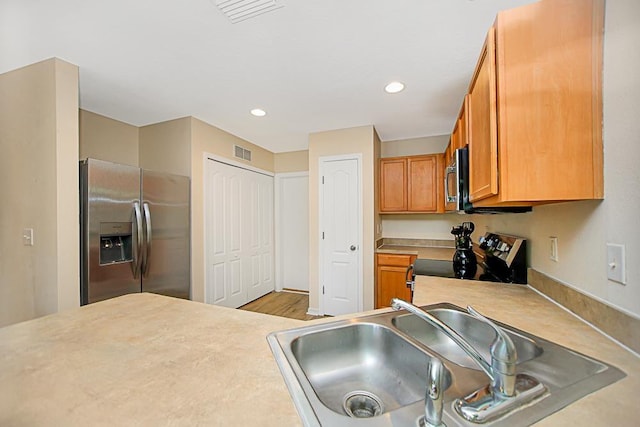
column 362, row 404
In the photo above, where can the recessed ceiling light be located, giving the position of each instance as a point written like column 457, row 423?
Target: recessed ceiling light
column 258, row 112
column 394, row 87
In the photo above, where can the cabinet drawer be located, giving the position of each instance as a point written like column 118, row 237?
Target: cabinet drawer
column 395, row 260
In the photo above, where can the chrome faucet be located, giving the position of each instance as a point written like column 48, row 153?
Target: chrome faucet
column 434, row 399
column 506, row 390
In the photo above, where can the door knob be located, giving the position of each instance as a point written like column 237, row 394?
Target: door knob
column 352, row 247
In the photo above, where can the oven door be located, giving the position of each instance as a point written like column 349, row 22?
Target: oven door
column 452, row 190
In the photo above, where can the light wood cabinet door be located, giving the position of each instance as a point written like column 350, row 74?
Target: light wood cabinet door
column 391, row 279
column 455, row 136
column 423, row 184
column 448, row 153
column 483, row 141
column 393, row 185
column 463, row 140
column 459, row 135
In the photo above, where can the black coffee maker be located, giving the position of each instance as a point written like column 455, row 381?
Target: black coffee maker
column 465, row 263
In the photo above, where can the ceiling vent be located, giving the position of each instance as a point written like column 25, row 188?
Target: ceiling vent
column 242, row 153
column 240, row 10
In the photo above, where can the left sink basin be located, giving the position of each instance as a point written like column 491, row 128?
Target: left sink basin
column 350, row 371
column 362, row 359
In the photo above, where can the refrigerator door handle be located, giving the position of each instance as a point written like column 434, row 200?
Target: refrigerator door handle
column 147, row 253
column 137, row 238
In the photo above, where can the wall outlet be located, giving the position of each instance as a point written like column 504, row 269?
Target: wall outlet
column 553, row 248
column 615, row 263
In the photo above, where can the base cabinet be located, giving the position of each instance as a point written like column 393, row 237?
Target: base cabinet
column 391, row 278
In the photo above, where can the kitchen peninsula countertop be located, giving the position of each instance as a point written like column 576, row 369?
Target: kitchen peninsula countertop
column 144, row 359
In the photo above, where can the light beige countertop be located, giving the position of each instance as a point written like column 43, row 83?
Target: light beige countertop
column 149, row 360
column 143, row 360
column 523, row 308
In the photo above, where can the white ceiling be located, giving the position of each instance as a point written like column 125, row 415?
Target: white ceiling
column 313, row 65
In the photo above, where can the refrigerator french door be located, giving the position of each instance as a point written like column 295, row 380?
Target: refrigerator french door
column 135, row 232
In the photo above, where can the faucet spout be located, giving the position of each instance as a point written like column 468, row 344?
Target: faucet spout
column 501, row 370
column 434, row 399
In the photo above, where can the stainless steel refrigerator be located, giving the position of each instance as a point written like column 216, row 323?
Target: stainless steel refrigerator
column 135, row 232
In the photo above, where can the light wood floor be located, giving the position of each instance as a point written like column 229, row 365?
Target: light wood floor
column 284, row 304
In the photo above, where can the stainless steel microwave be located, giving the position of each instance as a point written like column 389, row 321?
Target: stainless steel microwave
column 456, row 175
column 456, row 188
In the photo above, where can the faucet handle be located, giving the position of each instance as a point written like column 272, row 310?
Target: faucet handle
column 434, row 399
column 503, row 356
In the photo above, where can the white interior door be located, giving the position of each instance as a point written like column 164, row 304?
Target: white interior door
column 259, row 216
column 340, row 227
column 224, row 247
column 292, row 230
column 239, row 234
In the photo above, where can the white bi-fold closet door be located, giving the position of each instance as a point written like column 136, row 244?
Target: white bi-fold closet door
column 239, row 249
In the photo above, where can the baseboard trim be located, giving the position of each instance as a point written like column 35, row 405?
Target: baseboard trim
column 615, row 323
column 295, row 291
column 313, row 312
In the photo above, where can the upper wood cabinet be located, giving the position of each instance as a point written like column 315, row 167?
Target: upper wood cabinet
column 535, row 106
column 459, row 133
column 411, row 184
column 448, row 154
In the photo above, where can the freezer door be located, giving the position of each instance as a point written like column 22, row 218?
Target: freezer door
column 109, row 241
column 166, row 264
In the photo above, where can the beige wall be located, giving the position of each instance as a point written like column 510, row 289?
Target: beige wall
column 166, row 147
column 220, row 143
column 293, row 161
column 415, row 146
column 421, row 226
column 107, row 139
column 360, row 140
column 39, row 166
column 67, row 178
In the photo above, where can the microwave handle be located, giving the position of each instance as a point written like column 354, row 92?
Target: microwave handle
column 449, row 198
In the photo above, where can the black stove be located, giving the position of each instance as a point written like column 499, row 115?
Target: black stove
column 501, row 258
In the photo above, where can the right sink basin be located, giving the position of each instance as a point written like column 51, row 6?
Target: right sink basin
column 566, row 374
column 477, row 333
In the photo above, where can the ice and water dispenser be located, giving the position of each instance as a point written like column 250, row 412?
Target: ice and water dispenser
column 115, row 242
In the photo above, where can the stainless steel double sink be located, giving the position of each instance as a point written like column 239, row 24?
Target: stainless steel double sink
column 372, row 370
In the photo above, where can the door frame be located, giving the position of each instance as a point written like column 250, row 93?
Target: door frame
column 359, row 291
column 279, row 177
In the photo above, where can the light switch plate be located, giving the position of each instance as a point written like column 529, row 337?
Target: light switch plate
column 27, row 236
column 553, row 248
column 615, row 263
